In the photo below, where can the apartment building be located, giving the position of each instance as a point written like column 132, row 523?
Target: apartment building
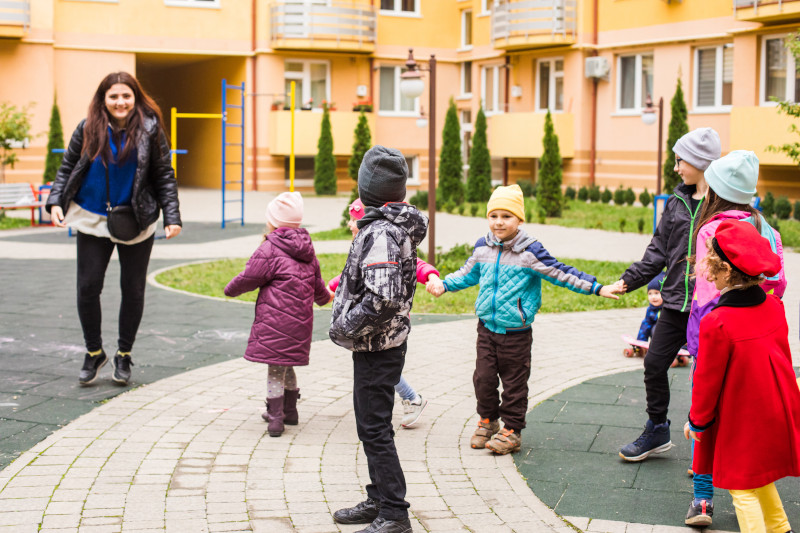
column 592, row 63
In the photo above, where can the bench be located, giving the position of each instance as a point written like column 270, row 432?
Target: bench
column 20, row 196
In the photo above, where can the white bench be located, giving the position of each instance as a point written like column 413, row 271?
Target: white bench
column 20, row 196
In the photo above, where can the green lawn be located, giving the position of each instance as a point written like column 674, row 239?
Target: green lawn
column 338, row 234
column 14, row 222
column 210, row 279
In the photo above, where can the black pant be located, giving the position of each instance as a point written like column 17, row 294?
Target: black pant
column 669, row 335
column 506, row 358
column 93, row 256
column 374, row 376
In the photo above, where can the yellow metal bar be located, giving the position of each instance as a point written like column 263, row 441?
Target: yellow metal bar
column 173, row 124
column 291, row 150
column 198, row 115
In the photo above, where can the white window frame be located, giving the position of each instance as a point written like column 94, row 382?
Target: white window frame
column 497, row 104
column 551, row 100
column 637, row 87
column 718, row 78
column 486, row 9
column 305, row 77
column 212, row 4
column 466, row 127
column 413, row 169
column 463, row 71
column 397, row 12
column 396, row 112
column 464, row 45
column 790, row 72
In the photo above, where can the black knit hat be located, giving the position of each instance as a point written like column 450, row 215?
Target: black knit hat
column 382, row 176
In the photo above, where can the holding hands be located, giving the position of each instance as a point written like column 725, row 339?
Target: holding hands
column 611, row 291
column 434, row 285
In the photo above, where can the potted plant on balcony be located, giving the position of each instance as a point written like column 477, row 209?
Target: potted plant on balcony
column 363, row 105
column 277, row 104
column 330, row 106
column 308, row 106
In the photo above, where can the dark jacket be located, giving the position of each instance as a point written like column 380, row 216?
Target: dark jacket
column 286, row 272
column 154, row 184
column 670, row 247
column 375, row 293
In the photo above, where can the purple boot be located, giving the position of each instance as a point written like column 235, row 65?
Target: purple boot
column 290, row 416
column 274, row 416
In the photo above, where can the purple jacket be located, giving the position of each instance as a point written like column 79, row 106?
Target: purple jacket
column 286, row 272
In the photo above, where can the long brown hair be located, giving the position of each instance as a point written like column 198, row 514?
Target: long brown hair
column 95, row 131
column 714, row 205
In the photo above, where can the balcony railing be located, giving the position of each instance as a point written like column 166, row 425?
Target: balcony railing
column 339, row 26
column 15, row 17
column 766, row 10
column 533, row 23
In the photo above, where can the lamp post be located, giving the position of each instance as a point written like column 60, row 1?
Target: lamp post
column 649, row 117
column 411, row 86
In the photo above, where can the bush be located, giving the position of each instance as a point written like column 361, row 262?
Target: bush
column 473, row 209
column 570, row 193
column 479, row 175
column 449, row 206
column 622, row 223
column 619, row 196
column 796, row 210
column 783, row 208
column 606, row 196
column 640, row 225
column 528, row 189
column 325, row 161
column 462, row 209
column 594, row 194
column 528, row 213
column 773, row 221
column 583, row 194
column 630, row 196
column 451, row 186
column 645, row 198
column 768, row 205
column 550, row 172
column 419, row 199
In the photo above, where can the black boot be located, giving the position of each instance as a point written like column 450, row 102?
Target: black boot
column 290, row 416
column 275, row 416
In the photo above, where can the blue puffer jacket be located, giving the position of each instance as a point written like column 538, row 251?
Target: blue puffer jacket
column 510, row 276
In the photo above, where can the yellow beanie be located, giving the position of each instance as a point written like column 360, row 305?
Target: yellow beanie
column 509, row 198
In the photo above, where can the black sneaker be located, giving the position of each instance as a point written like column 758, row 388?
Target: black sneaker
column 91, row 365
column 363, row 513
column 654, row 439
column 122, row 368
column 700, row 512
column 382, row 525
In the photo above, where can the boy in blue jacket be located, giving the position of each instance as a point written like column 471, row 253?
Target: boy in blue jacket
column 509, row 266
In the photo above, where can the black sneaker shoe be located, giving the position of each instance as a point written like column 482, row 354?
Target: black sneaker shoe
column 700, row 512
column 122, row 368
column 91, row 365
column 382, row 525
column 654, row 439
column 362, row 513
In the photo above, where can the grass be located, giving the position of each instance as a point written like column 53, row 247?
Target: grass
column 210, row 279
column 338, row 234
column 790, row 233
column 14, row 222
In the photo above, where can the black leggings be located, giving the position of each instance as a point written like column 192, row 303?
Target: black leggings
column 93, row 256
column 669, row 335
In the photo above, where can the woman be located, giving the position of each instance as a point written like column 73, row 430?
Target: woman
column 117, row 156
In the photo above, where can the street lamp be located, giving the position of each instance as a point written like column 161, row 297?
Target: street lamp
column 649, row 118
column 411, row 86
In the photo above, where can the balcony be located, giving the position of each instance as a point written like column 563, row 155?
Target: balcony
column 338, row 26
column 307, row 127
column 529, row 24
column 15, row 18
column 767, row 10
column 505, row 138
column 755, row 128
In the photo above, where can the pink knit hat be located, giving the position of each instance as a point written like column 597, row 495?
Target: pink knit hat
column 357, row 209
column 286, row 210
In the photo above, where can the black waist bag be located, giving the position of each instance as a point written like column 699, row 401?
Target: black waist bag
column 120, row 219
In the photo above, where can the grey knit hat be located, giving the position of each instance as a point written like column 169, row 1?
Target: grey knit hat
column 382, row 176
column 699, row 147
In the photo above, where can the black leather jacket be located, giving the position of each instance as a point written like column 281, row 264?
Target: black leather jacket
column 154, row 184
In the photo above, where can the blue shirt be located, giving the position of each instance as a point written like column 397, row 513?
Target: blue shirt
column 92, row 194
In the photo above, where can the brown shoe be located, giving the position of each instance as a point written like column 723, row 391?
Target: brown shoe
column 486, row 428
column 506, row 441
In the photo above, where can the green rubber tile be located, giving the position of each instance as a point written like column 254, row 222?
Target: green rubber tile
column 634, row 397
column 665, row 471
column 550, row 492
column 574, row 467
column 626, row 379
column 11, row 403
column 55, row 411
column 553, row 436
column 30, row 363
column 22, row 381
column 544, row 411
column 610, row 439
column 592, row 413
column 13, row 446
column 68, row 388
column 789, row 489
column 624, row 504
column 9, row 428
column 591, row 393
column 680, row 379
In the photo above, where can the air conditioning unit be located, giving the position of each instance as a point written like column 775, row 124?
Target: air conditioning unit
column 596, row 67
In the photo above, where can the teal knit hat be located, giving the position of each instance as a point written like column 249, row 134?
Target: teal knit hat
column 734, row 176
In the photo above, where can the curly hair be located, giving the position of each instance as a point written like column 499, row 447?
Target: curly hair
column 716, row 266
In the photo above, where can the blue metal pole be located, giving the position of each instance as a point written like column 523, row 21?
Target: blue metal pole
column 224, row 120
column 241, row 180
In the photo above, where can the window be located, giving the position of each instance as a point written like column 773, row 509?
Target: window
column 634, row 81
column 466, row 137
column 413, row 170
column 312, row 85
column 192, row 3
column 391, row 101
column 400, row 7
column 303, row 171
column 466, row 78
column 493, row 85
column 485, row 7
column 780, row 79
column 550, row 85
column 713, row 74
column 466, row 29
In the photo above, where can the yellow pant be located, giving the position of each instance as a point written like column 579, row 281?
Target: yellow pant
column 760, row 510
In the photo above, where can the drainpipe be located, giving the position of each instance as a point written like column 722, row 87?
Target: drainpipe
column 505, row 108
column 254, row 91
column 593, row 142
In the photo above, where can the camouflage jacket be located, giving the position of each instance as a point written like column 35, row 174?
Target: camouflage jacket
column 373, row 301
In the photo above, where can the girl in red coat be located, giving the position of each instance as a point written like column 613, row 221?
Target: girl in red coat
column 286, row 273
column 745, row 400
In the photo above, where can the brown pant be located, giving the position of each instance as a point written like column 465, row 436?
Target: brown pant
column 505, row 358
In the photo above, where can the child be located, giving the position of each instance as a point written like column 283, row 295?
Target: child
column 745, row 401
column 668, row 249
column 413, row 403
column 371, row 318
column 286, row 273
column 650, row 317
column 505, row 314
column 731, row 185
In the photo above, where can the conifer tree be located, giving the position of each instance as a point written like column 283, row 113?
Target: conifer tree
column 325, row 161
column 451, row 188
column 550, row 172
column 479, row 177
column 678, row 127
column 55, row 140
column 362, row 141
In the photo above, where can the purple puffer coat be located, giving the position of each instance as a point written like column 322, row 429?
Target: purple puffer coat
column 286, row 272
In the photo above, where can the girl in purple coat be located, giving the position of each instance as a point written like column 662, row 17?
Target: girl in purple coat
column 286, row 273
